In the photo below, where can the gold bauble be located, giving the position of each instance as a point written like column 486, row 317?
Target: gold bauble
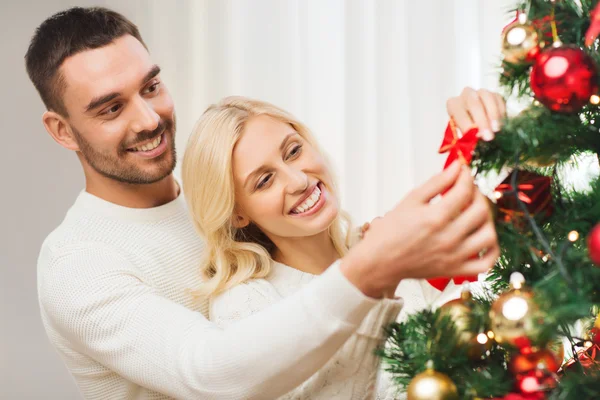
column 459, row 310
column 431, row 385
column 478, row 347
column 540, row 161
column 512, row 315
column 520, row 42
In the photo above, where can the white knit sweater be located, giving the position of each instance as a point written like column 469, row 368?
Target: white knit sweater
column 113, row 287
column 352, row 373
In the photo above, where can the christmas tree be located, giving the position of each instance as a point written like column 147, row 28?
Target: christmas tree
column 534, row 333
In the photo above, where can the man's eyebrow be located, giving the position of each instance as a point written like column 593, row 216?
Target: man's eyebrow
column 98, row 101
column 155, row 70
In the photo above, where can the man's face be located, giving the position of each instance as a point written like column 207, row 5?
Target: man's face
column 120, row 113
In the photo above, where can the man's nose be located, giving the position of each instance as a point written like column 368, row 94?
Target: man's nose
column 144, row 117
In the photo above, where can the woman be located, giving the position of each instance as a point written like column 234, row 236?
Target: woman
column 262, row 195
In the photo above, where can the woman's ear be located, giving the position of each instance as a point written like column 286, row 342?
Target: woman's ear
column 240, row 220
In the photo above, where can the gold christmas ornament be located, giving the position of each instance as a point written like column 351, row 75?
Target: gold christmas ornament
column 459, row 310
column 520, row 42
column 512, row 314
column 539, row 161
column 431, row 385
column 478, row 347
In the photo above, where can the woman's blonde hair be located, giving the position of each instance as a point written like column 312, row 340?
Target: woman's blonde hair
column 233, row 255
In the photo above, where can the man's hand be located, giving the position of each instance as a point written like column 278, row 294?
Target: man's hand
column 420, row 239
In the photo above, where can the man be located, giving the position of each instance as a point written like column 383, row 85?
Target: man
column 114, row 278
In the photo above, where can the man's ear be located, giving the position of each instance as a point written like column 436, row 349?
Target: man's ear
column 240, row 220
column 59, row 129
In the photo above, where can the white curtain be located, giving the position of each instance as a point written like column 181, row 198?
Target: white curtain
column 370, row 78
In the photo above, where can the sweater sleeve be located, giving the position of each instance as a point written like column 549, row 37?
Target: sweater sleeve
column 99, row 302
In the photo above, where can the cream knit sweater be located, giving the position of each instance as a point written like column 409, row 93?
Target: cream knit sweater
column 354, row 372
column 113, row 287
column 351, row 373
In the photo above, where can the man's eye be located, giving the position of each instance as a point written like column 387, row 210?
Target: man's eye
column 112, row 110
column 152, row 88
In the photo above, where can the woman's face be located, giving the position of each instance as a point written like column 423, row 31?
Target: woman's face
column 282, row 183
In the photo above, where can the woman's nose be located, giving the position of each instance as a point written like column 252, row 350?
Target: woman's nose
column 298, row 181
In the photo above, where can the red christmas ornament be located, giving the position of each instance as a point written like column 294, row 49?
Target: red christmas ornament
column 543, row 359
column 587, row 358
column 593, row 243
column 595, row 332
column 521, row 396
column 535, row 381
column 524, row 363
column 563, row 78
column 533, row 190
column 458, row 148
column 595, row 335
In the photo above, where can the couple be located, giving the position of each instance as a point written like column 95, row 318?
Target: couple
column 126, row 285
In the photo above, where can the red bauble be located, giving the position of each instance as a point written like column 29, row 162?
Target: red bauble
column 588, row 360
column 595, row 333
column 563, row 78
column 535, row 381
column 593, row 243
column 524, row 363
column 521, row 396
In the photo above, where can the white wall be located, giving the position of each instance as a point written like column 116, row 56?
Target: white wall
column 370, row 78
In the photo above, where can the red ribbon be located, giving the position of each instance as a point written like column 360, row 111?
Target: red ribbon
column 460, row 148
column 594, row 29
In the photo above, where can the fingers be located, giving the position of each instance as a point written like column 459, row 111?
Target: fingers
column 492, row 110
column 437, row 184
column 457, row 110
column 477, row 108
column 483, row 239
column 471, row 219
column 479, row 265
column 459, row 197
column 479, row 114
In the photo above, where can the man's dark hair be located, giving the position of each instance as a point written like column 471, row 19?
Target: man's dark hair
column 65, row 34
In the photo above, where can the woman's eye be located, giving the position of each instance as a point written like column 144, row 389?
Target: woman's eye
column 263, row 181
column 295, row 151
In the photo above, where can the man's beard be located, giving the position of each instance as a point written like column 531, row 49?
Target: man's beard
column 118, row 168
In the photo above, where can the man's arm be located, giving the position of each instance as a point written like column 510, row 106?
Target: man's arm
column 101, row 304
column 98, row 302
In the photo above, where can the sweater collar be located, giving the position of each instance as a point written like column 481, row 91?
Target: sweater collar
column 91, row 204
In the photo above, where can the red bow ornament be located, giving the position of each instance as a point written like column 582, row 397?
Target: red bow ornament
column 458, row 148
column 594, row 28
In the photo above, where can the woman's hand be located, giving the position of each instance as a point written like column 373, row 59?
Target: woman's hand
column 477, row 108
